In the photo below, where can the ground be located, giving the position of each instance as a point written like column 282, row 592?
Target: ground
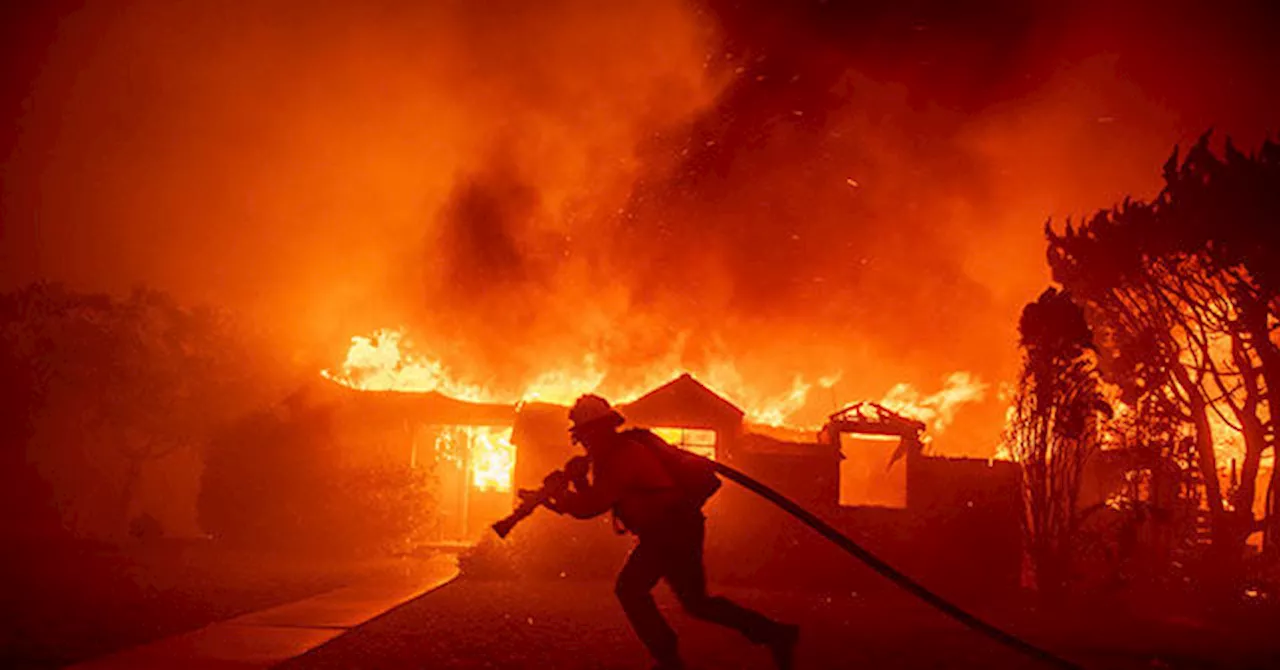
column 64, row 606
column 63, row 602
column 572, row 625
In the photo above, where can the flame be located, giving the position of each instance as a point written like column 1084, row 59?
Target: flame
column 493, row 458
column 563, row 386
column 378, row 363
column 1225, row 430
column 774, row 411
column 388, row 361
column 489, row 449
column 938, row 410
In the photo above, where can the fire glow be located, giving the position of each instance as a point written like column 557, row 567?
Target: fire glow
column 485, row 451
column 387, row 361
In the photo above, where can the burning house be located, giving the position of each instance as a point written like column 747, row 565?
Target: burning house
column 466, row 444
column 953, row 522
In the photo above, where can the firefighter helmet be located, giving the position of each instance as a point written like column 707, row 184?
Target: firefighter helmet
column 592, row 412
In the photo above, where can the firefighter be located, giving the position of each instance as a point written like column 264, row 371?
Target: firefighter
column 652, row 497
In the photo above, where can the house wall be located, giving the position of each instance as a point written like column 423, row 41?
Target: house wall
column 971, row 509
column 541, row 439
column 399, row 430
column 958, row 534
column 813, row 480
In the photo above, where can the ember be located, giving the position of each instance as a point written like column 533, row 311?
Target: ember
column 345, row 284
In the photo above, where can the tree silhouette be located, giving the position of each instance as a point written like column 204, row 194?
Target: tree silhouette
column 1182, row 294
column 113, row 384
column 1054, row 430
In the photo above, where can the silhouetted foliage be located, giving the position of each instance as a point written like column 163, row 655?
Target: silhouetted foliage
column 104, row 386
column 1054, row 430
column 1182, row 293
column 25, row 497
column 279, row 480
column 1144, row 536
column 1053, row 328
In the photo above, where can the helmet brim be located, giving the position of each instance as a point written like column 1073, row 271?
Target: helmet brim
column 601, row 423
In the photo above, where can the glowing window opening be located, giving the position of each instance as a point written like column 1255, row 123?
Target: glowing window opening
column 700, row 441
column 486, row 450
column 866, row 479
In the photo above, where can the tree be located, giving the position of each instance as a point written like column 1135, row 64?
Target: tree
column 24, row 495
column 1054, row 430
column 1182, row 293
column 282, row 479
column 1147, row 530
column 116, row 384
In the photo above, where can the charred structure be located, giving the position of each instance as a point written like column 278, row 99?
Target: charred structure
column 956, row 525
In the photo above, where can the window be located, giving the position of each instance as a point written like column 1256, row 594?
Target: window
column 865, row 475
column 700, row 441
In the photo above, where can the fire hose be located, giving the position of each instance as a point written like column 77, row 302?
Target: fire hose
column 531, row 500
column 889, row 572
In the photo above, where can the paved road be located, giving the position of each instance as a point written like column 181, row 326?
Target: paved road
column 265, row 638
column 571, row 625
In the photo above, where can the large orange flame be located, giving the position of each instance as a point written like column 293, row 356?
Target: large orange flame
column 386, row 361
column 377, row 363
column 938, row 410
column 493, row 458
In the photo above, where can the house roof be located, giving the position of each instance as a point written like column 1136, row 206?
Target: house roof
column 430, row 407
column 683, row 401
column 874, row 419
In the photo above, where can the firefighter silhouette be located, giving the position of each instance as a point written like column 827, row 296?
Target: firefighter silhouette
column 656, row 492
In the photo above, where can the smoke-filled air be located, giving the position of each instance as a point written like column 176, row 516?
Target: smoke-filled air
column 762, row 195
column 473, row 321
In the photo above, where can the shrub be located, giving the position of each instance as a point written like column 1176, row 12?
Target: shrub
column 490, row 559
column 279, row 481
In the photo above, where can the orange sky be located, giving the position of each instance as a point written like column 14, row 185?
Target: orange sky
column 799, row 190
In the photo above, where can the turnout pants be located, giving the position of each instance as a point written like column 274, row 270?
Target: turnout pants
column 674, row 552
